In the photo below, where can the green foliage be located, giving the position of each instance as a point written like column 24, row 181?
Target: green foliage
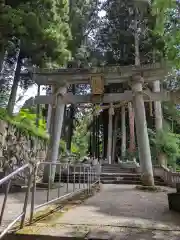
column 160, row 10
column 82, row 19
column 42, row 27
column 167, row 143
column 62, row 148
column 115, row 35
column 168, row 26
column 80, row 139
column 25, row 122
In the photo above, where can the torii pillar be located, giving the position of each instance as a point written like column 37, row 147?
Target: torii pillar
column 56, row 122
column 110, row 133
column 131, row 127
column 123, row 132
column 142, row 132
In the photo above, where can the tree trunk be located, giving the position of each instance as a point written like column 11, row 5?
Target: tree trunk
column 105, row 132
column 98, row 138
column 94, row 137
column 123, row 132
column 159, row 120
column 115, row 137
column 12, row 98
column 90, row 143
column 3, row 59
column 131, row 126
column 3, row 56
column 49, row 117
column 48, row 92
column 71, row 122
column 38, row 109
column 109, row 147
column 70, row 127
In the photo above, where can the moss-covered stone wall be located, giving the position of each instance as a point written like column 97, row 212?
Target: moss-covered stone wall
column 19, row 146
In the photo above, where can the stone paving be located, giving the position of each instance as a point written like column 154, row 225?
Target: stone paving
column 15, row 201
column 117, row 212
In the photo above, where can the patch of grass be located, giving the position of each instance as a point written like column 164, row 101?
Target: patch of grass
column 150, row 188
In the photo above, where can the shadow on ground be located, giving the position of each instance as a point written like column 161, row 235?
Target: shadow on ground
column 124, row 201
column 117, row 212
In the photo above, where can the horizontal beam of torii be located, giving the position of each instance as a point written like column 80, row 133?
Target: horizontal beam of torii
column 110, row 74
column 69, row 98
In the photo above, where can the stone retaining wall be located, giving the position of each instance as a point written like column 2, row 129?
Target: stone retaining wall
column 18, row 148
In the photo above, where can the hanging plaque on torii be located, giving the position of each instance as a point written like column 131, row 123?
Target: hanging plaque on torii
column 97, row 84
column 97, row 87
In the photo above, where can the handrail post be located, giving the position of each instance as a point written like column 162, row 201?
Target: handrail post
column 59, row 187
column 68, row 172
column 74, row 178
column 26, row 197
column 80, row 176
column 49, row 181
column 5, row 200
column 84, row 176
column 33, row 193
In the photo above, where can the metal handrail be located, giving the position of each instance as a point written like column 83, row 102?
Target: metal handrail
column 11, row 175
column 87, row 173
column 8, row 179
column 68, row 194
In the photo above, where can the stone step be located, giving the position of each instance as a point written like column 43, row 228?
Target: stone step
column 121, row 174
column 127, row 178
column 131, row 182
column 120, row 178
column 116, row 170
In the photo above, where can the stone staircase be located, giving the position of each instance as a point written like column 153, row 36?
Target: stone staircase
column 115, row 168
column 114, row 174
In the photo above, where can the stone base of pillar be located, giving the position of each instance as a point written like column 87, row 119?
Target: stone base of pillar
column 147, row 179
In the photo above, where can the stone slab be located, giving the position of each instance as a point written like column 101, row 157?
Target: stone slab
column 118, row 212
column 96, row 233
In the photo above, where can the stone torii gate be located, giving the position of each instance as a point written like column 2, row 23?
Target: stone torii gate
column 135, row 76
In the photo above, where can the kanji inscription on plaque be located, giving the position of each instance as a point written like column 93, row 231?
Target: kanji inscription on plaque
column 97, row 84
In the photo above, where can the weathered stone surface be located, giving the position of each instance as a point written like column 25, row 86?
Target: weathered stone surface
column 123, row 205
column 147, row 179
column 18, row 148
column 117, row 212
column 99, row 234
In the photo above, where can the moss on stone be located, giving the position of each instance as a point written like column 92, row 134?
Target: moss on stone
column 150, row 188
column 51, row 213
